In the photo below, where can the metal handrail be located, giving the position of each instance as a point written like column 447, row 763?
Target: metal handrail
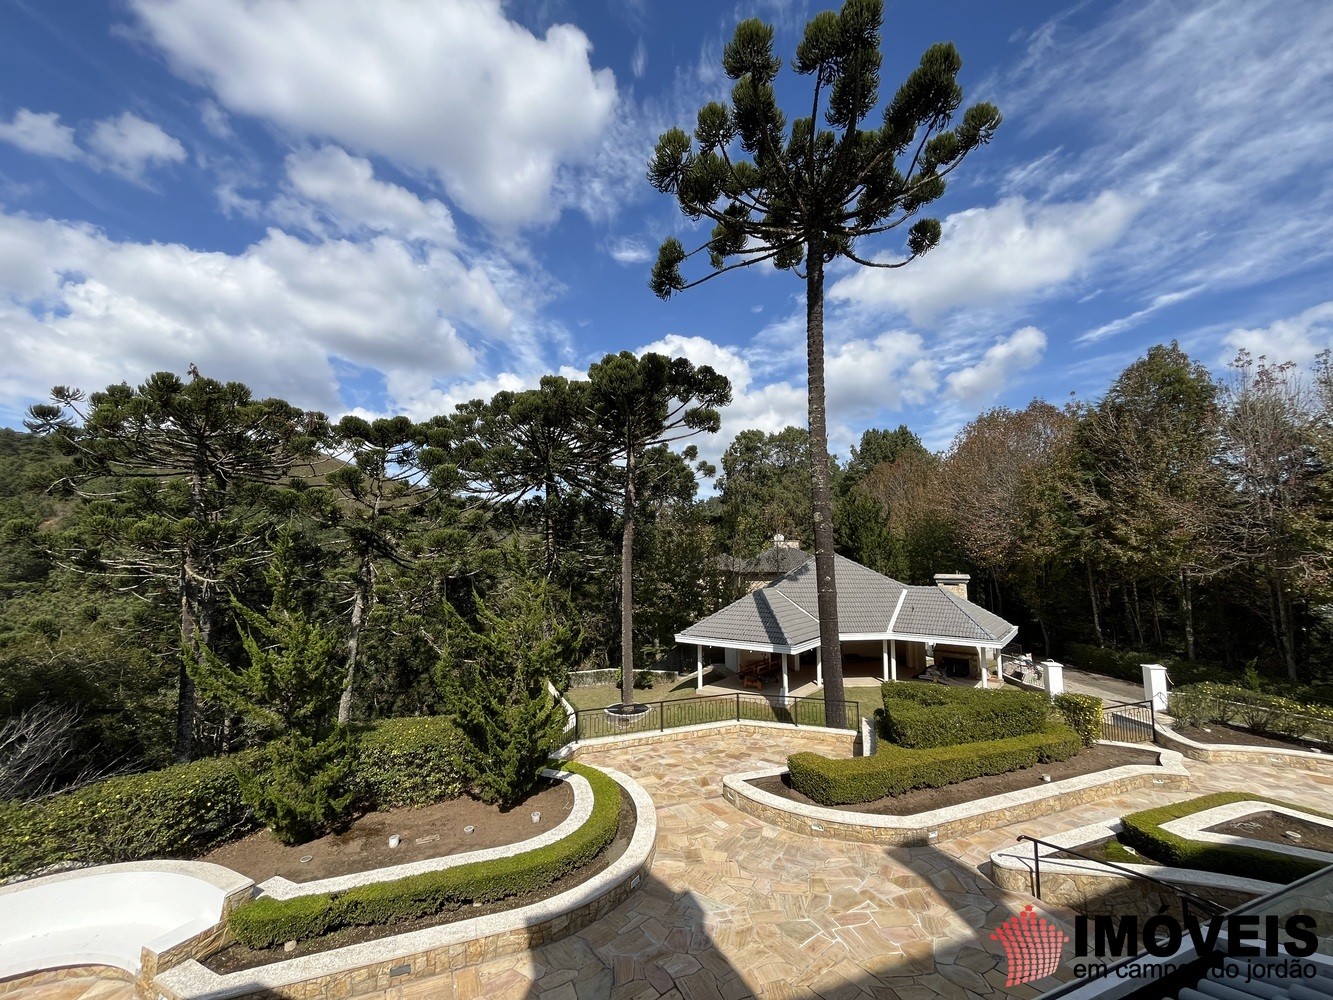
column 1185, row 896
column 851, row 709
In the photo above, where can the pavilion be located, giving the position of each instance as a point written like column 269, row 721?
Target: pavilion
column 881, row 622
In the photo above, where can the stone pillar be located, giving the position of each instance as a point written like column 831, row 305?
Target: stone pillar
column 1154, row 685
column 1053, row 677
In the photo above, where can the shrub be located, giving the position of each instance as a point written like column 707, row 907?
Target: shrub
column 893, row 770
column 1143, row 832
column 1128, row 664
column 933, row 715
column 186, row 810
column 1201, row 704
column 1083, row 712
column 300, row 788
column 267, row 923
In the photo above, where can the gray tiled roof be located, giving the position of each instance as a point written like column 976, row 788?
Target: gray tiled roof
column 786, row 611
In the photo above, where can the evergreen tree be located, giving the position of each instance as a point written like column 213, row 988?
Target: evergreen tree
column 806, row 195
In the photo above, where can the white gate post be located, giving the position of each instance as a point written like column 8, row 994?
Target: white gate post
column 1053, row 677
column 1154, row 685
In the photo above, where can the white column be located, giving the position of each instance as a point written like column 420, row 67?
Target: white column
column 784, row 675
column 981, row 666
column 893, row 659
column 1053, row 677
column 1154, row 685
column 819, row 666
column 699, row 666
column 884, row 644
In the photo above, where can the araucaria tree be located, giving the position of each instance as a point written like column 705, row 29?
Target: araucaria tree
column 802, row 197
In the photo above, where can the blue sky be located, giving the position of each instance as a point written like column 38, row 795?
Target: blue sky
column 396, row 205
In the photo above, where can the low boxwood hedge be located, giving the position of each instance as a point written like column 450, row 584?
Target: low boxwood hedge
column 184, row 811
column 1143, row 832
column 893, row 770
column 933, row 715
column 267, row 923
column 1083, row 712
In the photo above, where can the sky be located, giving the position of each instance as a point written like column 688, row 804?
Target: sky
column 393, row 206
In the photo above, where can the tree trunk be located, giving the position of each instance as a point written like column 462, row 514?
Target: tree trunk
column 1287, row 630
column 1096, row 611
column 549, row 494
column 1136, row 614
column 1187, row 612
column 627, row 588
column 826, row 585
column 196, row 627
column 365, row 595
column 1157, row 618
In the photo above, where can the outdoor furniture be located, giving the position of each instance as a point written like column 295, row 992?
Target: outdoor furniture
column 756, row 674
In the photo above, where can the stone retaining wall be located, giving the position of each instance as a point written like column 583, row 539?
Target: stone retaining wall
column 954, row 821
column 1304, row 760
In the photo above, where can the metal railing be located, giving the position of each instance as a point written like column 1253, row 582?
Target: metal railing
column 1130, row 722
column 1186, row 898
column 592, row 723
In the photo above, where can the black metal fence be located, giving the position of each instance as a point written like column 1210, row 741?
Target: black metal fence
column 592, row 723
column 1131, row 722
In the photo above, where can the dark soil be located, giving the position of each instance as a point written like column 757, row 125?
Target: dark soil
column 1218, row 732
column 1090, row 761
column 236, row 957
column 1272, row 827
column 364, row 846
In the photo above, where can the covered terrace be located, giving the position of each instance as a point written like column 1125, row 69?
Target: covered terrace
column 887, row 630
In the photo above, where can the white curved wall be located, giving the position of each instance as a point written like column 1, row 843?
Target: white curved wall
column 109, row 914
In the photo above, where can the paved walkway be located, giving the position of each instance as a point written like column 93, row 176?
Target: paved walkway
column 736, row 908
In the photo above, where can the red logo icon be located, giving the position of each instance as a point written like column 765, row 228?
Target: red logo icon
column 1033, row 946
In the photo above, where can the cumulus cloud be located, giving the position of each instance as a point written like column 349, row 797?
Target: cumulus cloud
column 331, row 191
column 989, row 256
column 128, row 145
column 81, row 308
column 456, row 89
column 40, row 134
column 629, row 251
column 981, row 383
column 1298, row 338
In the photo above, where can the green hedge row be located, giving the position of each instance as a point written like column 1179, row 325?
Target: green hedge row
column 1083, row 712
column 183, row 811
column 933, row 715
column 1143, row 832
column 893, row 770
column 267, row 923
column 1201, row 704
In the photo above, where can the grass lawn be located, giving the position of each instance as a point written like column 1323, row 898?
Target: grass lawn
column 604, row 694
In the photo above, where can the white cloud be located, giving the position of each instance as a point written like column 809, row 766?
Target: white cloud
column 639, row 62
column 453, row 88
column 216, row 120
column 1297, row 338
column 629, row 251
column 886, row 372
column 41, row 134
column 331, row 191
column 982, row 382
column 80, row 308
column 1158, row 303
column 989, row 256
column 128, row 145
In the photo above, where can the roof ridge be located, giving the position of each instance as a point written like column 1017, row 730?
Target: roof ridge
column 794, row 604
column 961, row 603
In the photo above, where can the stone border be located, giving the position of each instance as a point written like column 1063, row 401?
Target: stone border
column 1192, row 827
column 1233, row 753
column 951, row 821
column 281, row 888
column 1012, row 869
column 401, row 958
column 839, row 739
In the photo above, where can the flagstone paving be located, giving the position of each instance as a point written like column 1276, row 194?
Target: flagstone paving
column 736, row 908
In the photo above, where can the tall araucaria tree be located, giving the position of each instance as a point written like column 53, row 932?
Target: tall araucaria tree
column 804, row 196
column 635, row 407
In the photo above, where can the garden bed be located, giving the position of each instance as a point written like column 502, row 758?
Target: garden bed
column 1273, row 827
column 433, row 831
column 1090, row 761
column 237, row 957
column 1221, row 734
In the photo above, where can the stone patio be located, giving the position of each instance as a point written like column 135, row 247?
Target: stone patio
column 736, row 908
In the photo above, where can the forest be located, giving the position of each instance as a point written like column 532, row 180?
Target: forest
column 160, row 542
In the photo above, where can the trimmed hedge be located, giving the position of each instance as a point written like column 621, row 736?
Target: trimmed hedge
column 1083, row 712
column 267, row 923
column 893, row 770
column 933, row 715
column 1143, row 832
column 1201, row 704
column 186, row 810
